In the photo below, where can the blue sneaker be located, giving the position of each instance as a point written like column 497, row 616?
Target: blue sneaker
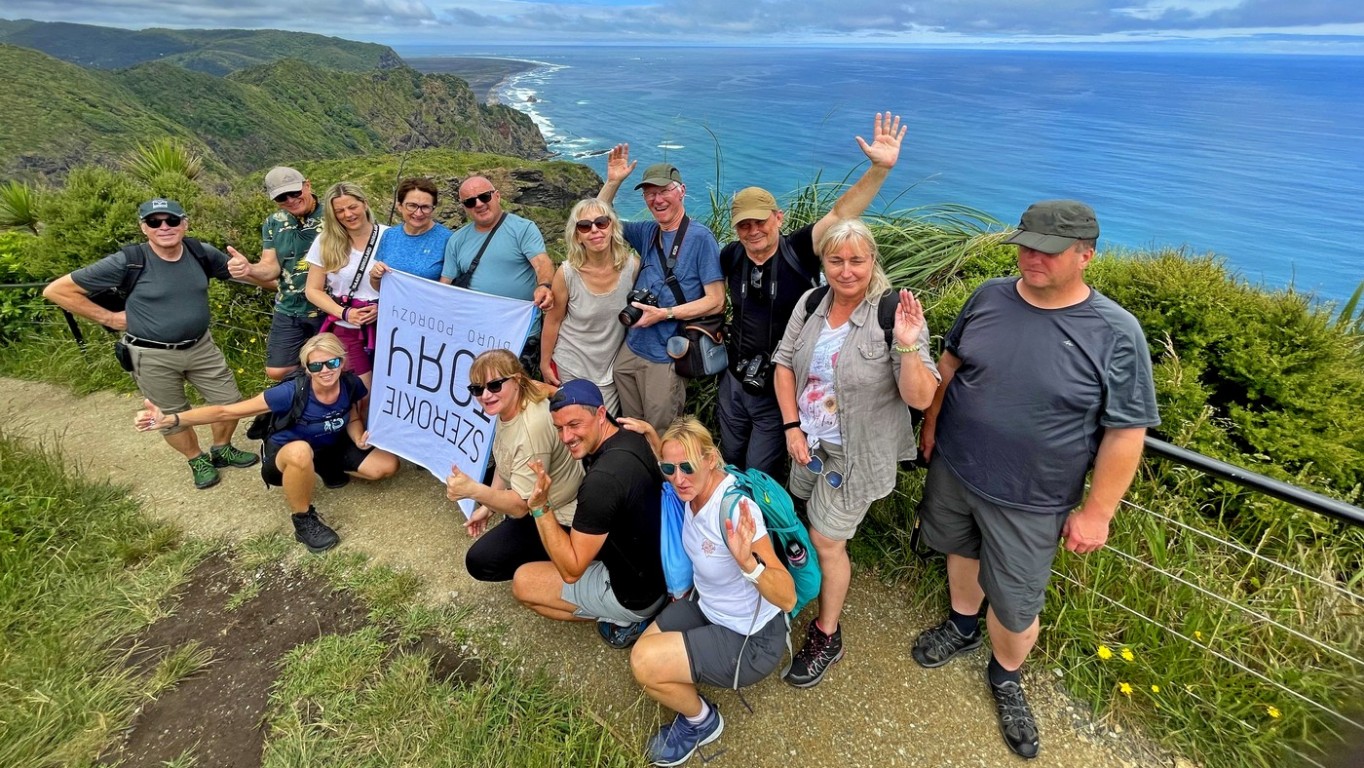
column 620, row 637
column 675, row 742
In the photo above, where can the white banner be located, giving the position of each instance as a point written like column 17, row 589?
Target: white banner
column 428, row 335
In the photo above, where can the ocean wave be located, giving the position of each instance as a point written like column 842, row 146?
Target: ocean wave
column 521, row 92
column 667, row 145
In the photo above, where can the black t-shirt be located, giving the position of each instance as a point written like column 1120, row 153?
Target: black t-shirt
column 620, row 496
column 765, row 296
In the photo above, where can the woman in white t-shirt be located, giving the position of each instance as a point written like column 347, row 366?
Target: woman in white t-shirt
column 346, row 244
column 741, row 591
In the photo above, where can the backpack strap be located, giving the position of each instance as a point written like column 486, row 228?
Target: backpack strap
column 135, row 263
column 885, row 309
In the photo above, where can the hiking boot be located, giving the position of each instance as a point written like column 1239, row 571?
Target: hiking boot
column 205, row 474
column 335, row 480
column 939, row 645
column 620, row 637
column 231, row 456
column 819, row 653
column 311, row 532
column 1015, row 719
column 675, row 742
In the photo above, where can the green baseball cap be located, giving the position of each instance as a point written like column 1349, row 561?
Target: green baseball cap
column 660, row 175
column 159, row 205
column 1052, row 226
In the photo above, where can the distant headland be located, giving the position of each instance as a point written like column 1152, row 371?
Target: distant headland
column 483, row 74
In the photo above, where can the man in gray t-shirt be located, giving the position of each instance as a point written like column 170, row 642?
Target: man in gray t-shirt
column 164, row 327
column 1043, row 379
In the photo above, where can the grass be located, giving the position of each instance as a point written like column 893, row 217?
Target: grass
column 81, row 568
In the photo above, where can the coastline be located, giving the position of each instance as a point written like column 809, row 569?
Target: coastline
column 486, row 75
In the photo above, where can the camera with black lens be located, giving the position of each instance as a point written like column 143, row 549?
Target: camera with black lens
column 755, row 374
column 631, row 314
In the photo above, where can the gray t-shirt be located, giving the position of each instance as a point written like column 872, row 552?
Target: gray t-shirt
column 170, row 300
column 1022, row 417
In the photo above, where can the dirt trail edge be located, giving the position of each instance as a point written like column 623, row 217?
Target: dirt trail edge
column 875, row 708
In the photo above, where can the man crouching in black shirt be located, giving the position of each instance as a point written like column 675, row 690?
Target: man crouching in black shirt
column 607, row 568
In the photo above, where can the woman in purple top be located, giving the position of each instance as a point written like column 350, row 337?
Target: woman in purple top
column 328, row 438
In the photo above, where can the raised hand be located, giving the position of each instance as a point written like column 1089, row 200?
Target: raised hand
column 887, row 133
column 539, row 494
column 618, row 165
column 909, row 319
column 237, row 265
column 739, row 538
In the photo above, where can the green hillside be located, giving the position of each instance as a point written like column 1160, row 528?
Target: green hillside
column 55, row 115
column 215, row 51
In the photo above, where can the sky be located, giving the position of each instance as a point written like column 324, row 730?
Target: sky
column 1320, row 25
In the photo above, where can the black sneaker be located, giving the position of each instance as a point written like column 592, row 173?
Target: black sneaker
column 620, row 637
column 311, row 532
column 339, row 480
column 819, row 653
column 232, row 456
column 939, row 645
column 1015, row 719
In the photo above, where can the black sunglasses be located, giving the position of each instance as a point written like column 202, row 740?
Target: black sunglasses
column 317, row 367
column 585, row 225
column 155, row 222
column 285, row 197
column 493, row 386
column 484, row 197
column 669, row 467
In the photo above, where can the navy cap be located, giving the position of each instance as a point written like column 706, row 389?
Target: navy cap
column 577, row 392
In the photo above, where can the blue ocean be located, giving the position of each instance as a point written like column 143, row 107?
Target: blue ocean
column 1256, row 158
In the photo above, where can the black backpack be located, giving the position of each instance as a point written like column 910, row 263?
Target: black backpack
column 116, row 299
column 885, row 310
column 267, row 424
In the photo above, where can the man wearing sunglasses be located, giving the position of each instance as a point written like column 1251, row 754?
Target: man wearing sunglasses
column 670, row 244
column 165, row 328
column 767, row 273
column 513, row 263
column 285, row 237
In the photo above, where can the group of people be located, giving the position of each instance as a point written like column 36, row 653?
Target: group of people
column 1042, row 382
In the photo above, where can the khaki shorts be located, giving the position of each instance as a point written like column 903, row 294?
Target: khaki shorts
column 594, row 599
column 827, row 508
column 161, row 375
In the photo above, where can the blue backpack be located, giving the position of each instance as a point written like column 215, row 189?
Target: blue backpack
column 788, row 534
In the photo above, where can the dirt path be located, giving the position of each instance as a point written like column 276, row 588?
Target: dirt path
column 875, row 708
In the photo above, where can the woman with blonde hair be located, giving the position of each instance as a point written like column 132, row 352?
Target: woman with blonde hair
column 328, row 438
column 842, row 390
column 524, row 432
column 582, row 331
column 733, row 633
column 339, row 264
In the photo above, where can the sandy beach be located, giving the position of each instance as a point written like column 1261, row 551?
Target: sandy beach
column 483, row 74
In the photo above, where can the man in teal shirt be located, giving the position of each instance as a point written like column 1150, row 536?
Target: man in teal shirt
column 285, row 237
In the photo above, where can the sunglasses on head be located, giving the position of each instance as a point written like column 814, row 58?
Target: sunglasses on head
column 816, row 465
column 317, row 367
column 285, row 197
column 586, row 225
column 482, row 197
column 493, row 386
column 670, row 467
column 155, row 222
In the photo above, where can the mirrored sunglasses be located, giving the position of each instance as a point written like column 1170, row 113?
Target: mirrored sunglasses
column 585, row 225
column 155, row 222
column 816, row 465
column 317, row 367
column 668, row 468
column 484, row 197
column 493, row 386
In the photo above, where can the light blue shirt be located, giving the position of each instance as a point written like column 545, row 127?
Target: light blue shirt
column 505, row 269
column 421, row 255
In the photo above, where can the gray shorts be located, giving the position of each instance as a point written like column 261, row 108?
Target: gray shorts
column 829, row 514
column 161, row 375
column 1015, row 548
column 594, row 599
column 714, row 651
column 287, row 334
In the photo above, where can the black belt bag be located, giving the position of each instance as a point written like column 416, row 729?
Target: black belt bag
column 134, row 341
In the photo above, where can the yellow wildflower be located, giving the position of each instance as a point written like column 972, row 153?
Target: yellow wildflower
column 253, row 339
column 1155, row 688
column 1105, row 652
column 1273, row 711
column 1197, row 635
column 1125, row 689
column 1127, row 654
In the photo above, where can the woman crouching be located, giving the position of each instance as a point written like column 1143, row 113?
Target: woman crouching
column 741, row 592
column 328, row 438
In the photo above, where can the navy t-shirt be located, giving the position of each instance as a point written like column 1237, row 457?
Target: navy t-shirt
column 321, row 423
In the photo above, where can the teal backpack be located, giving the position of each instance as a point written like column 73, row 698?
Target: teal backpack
column 788, row 534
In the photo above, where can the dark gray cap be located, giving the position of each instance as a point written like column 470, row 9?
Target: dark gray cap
column 1051, row 226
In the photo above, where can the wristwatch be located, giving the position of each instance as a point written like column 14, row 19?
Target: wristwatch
column 752, row 576
column 670, row 314
column 544, row 285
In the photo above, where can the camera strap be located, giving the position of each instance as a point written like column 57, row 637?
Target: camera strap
column 786, row 252
column 670, row 260
column 362, row 268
